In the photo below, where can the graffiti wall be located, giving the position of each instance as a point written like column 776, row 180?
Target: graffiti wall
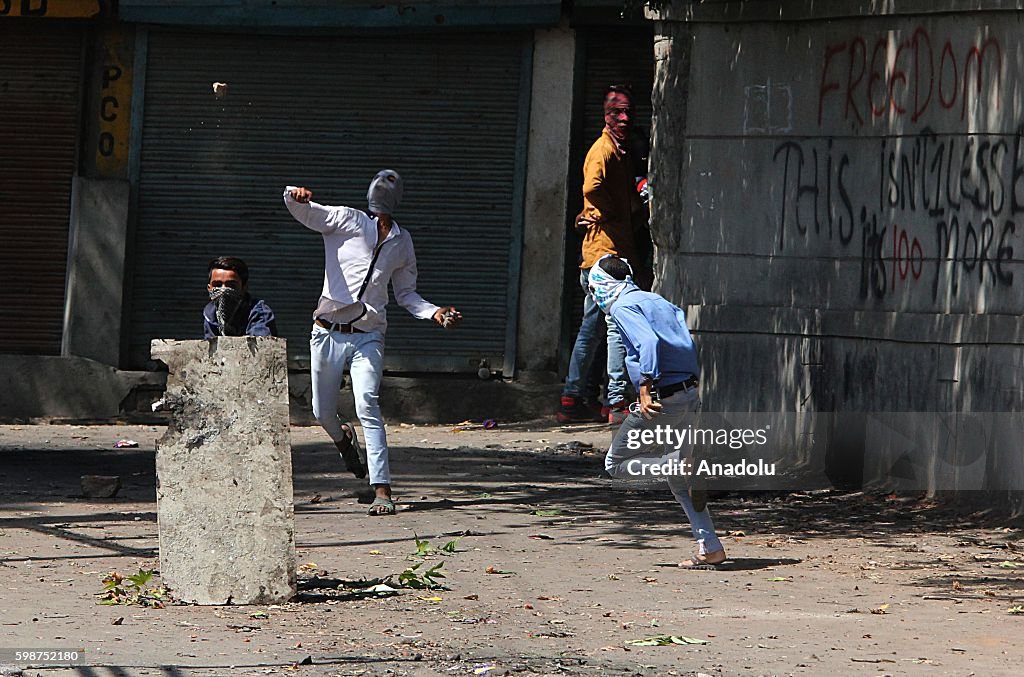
column 881, row 157
column 841, row 205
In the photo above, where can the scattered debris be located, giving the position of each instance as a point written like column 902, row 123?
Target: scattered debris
column 126, row 444
column 495, row 570
column 574, row 447
column 665, row 640
column 486, row 424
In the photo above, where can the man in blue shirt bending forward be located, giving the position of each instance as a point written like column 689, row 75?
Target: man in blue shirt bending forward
column 662, row 364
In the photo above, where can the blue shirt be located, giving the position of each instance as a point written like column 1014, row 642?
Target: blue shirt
column 261, row 319
column 658, row 345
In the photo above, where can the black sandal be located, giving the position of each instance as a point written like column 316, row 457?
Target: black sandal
column 349, row 450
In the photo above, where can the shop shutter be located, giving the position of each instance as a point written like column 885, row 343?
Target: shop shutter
column 40, row 75
column 328, row 113
column 614, row 56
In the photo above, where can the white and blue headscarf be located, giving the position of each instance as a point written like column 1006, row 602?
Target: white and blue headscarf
column 606, row 289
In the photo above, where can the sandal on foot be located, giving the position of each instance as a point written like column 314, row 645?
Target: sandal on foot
column 381, row 506
column 700, row 563
column 349, row 450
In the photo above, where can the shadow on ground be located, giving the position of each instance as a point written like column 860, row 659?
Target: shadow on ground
column 567, row 489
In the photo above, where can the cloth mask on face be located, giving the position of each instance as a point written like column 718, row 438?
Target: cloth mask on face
column 612, row 103
column 385, row 192
column 227, row 302
column 606, row 289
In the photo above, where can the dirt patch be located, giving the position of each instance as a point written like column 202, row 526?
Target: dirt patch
column 555, row 570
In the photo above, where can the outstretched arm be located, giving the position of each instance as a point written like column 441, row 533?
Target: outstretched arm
column 403, row 281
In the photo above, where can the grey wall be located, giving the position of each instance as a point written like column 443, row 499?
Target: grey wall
column 95, row 277
column 840, row 202
column 547, row 175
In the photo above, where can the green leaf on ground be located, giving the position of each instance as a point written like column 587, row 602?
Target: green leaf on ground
column 546, row 513
column 422, row 547
column 421, row 580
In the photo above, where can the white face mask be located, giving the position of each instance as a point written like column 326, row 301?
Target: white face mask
column 385, row 192
column 604, row 288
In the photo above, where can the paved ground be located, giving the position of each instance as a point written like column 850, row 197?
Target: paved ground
column 829, row 583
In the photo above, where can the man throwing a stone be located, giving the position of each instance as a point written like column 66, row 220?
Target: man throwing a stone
column 363, row 250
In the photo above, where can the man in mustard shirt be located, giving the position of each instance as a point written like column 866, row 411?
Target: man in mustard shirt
column 609, row 203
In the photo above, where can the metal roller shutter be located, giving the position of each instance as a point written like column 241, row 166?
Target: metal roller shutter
column 327, row 113
column 40, row 76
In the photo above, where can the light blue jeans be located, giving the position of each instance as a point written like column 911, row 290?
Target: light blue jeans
column 587, row 341
column 363, row 353
column 676, row 412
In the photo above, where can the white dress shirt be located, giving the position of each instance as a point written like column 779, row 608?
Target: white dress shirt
column 350, row 240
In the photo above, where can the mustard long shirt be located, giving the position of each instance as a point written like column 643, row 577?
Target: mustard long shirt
column 609, row 198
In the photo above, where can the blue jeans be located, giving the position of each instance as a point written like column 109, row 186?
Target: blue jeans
column 363, row 353
column 587, row 341
column 675, row 412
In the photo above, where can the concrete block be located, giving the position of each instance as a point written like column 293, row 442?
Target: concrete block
column 224, row 472
column 66, row 388
column 100, row 486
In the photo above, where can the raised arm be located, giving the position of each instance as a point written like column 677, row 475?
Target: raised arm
column 321, row 218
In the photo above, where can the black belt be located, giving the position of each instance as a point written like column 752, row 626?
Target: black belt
column 336, row 326
column 669, row 390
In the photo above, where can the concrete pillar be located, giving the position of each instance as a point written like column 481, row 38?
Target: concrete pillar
column 224, row 472
column 95, row 273
column 547, row 175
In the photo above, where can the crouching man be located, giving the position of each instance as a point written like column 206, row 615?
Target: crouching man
column 662, row 364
